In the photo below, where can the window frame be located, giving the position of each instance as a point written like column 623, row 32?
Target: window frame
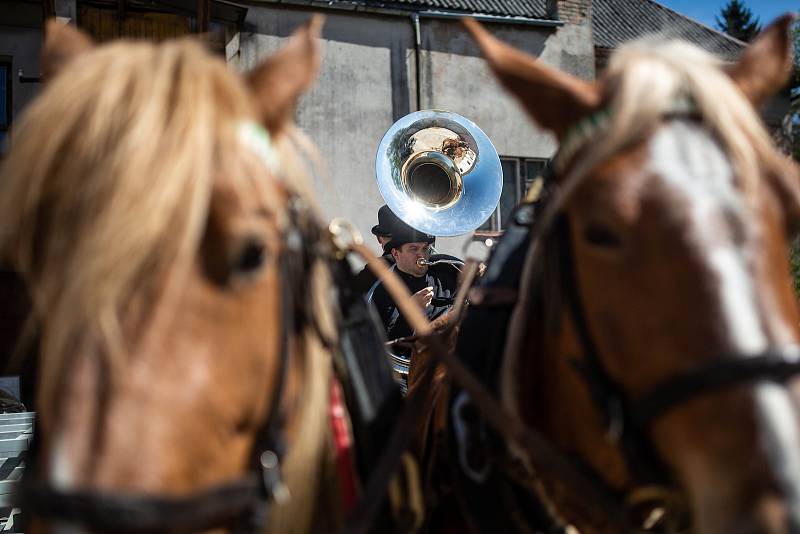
column 8, row 63
column 524, row 166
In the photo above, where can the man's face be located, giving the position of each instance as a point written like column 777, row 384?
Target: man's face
column 407, row 255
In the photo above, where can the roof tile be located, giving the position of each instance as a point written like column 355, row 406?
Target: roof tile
column 534, row 9
column 617, row 21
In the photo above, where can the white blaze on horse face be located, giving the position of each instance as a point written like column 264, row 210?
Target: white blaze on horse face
column 693, row 166
column 779, row 439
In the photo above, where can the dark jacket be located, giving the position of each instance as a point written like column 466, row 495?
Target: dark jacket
column 442, row 278
column 366, row 278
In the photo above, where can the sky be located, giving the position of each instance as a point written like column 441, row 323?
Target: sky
column 705, row 10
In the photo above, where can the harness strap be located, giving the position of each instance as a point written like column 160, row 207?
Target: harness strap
column 493, row 297
column 129, row 513
column 774, row 365
column 503, row 422
column 363, row 517
column 640, row 460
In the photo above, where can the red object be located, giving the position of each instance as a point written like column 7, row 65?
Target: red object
column 343, row 447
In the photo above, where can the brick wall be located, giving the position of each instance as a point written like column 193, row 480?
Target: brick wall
column 578, row 12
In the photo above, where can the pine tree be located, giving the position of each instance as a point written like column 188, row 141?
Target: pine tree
column 738, row 21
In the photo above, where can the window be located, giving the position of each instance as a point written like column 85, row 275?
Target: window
column 518, row 174
column 5, row 100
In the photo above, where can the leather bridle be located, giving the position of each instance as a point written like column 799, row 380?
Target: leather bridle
column 626, row 420
column 654, row 503
column 243, row 504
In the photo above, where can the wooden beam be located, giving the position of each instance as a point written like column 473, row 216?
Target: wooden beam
column 48, row 10
column 203, row 15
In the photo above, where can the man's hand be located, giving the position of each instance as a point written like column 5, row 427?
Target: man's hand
column 423, row 297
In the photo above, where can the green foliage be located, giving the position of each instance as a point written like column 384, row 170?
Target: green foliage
column 794, row 263
column 792, row 123
column 738, row 21
column 794, row 84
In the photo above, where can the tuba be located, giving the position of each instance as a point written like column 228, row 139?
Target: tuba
column 439, row 173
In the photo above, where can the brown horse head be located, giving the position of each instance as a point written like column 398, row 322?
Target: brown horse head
column 146, row 200
column 673, row 288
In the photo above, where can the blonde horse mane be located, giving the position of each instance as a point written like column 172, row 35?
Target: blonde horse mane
column 104, row 198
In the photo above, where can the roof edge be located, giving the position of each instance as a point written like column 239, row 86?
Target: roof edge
column 686, row 17
column 363, row 7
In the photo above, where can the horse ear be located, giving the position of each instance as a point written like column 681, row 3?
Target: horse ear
column 555, row 99
column 763, row 68
column 62, row 44
column 279, row 81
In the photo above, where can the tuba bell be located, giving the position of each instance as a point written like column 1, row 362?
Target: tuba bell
column 439, row 173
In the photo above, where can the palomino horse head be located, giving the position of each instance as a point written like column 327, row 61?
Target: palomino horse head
column 675, row 314
column 155, row 203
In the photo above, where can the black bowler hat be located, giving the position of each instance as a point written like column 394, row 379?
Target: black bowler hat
column 386, row 221
column 403, row 234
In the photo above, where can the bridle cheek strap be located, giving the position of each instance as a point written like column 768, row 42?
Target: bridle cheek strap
column 131, row 513
column 773, row 365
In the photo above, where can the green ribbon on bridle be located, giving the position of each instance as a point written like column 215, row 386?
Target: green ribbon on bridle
column 258, row 139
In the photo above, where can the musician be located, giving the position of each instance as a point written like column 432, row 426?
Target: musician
column 433, row 288
column 383, row 233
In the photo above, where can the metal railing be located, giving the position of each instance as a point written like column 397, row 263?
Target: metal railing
column 16, row 432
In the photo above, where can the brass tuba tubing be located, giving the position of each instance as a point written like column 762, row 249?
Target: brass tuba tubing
column 422, row 262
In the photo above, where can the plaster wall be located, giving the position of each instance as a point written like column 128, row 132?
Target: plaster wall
column 368, row 80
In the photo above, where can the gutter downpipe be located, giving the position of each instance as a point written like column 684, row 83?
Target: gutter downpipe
column 417, row 61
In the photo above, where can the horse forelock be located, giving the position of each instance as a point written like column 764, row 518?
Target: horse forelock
column 106, row 187
column 647, row 78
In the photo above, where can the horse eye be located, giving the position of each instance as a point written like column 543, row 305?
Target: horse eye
column 601, row 236
column 250, row 257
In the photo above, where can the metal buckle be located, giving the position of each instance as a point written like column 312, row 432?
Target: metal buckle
column 657, row 509
column 273, row 481
column 343, row 234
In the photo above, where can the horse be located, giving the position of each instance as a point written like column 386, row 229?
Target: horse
column 158, row 207
column 637, row 325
